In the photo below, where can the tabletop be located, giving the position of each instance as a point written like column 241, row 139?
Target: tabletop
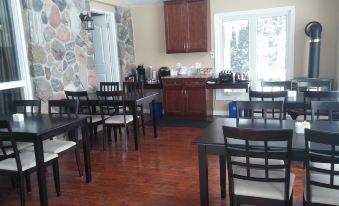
column 133, row 96
column 38, row 124
column 213, row 134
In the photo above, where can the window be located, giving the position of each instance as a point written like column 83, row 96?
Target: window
column 258, row 42
column 14, row 74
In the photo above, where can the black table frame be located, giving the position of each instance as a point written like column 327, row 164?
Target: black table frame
column 213, row 147
column 38, row 138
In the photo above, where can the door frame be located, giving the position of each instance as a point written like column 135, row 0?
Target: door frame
column 113, row 47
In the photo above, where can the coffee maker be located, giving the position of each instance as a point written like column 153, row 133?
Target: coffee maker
column 140, row 73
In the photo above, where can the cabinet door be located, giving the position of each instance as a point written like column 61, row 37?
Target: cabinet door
column 176, row 26
column 198, row 26
column 174, row 101
column 195, row 101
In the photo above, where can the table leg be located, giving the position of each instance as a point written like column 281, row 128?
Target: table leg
column 222, row 164
column 135, row 125
column 41, row 172
column 203, row 175
column 87, row 158
column 155, row 132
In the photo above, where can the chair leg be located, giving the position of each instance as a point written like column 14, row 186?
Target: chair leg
column 14, row 182
column 28, row 182
column 115, row 134
column 21, row 189
column 143, row 121
column 91, row 135
column 78, row 160
column 104, row 137
column 95, row 130
column 120, row 131
column 109, row 134
column 56, row 176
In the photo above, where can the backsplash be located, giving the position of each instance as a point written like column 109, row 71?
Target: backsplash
column 60, row 52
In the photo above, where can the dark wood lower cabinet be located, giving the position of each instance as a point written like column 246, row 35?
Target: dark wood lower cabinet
column 187, row 98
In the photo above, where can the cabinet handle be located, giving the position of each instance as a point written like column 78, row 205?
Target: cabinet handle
column 182, row 92
column 187, row 45
column 184, row 45
column 185, row 92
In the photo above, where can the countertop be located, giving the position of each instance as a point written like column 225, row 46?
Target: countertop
column 202, row 76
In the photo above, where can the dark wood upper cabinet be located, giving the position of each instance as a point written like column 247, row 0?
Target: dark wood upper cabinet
column 187, row 26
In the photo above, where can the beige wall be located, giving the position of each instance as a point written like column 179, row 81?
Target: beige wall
column 106, row 5
column 150, row 47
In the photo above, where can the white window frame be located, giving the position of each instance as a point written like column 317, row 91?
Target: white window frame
column 113, row 47
column 252, row 15
column 21, row 48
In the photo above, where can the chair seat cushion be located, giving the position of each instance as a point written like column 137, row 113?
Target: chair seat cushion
column 20, row 146
column 322, row 195
column 98, row 118
column 119, row 119
column 54, row 146
column 269, row 190
column 27, row 161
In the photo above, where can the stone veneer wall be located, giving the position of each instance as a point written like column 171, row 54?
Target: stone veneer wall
column 125, row 40
column 60, row 52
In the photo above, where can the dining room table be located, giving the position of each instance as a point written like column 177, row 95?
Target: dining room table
column 36, row 128
column 131, row 100
column 211, row 142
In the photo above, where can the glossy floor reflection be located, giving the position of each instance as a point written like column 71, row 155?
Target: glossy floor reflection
column 163, row 173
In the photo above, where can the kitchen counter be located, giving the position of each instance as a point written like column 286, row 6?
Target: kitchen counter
column 202, row 76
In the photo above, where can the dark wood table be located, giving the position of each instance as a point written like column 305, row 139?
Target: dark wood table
column 37, row 128
column 132, row 100
column 211, row 142
column 229, row 85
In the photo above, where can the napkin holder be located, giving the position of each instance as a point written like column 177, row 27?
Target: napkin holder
column 301, row 126
column 18, row 117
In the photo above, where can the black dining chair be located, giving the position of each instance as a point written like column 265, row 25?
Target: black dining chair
column 32, row 107
column 136, row 88
column 85, row 108
column 20, row 164
column 256, row 175
column 312, row 84
column 109, row 86
column 268, row 96
column 110, row 104
column 310, row 96
column 64, row 108
column 325, row 110
column 27, row 106
column 276, row 85
column 247, row 109
column 321, row 182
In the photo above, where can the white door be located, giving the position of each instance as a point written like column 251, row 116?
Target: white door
column 105, row 52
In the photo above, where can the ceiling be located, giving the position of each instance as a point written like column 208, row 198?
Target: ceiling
column 144, row 2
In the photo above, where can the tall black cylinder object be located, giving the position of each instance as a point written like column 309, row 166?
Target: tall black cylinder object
column 313, row 30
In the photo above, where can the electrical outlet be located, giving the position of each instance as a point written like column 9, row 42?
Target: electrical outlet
column 212, row 55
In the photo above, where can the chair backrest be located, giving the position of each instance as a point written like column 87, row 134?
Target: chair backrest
column 330, row 109
column 27, row 106
column 312, row 84
column 62, row 107
column 82, row 96
column 109, row 86
column 321, row 162
column 310, row 96
column 275, row 95
column 110, row 101
column 276, row 85
column 246, row 147
column 6, row 136
column 133, row 87
column 248, row 108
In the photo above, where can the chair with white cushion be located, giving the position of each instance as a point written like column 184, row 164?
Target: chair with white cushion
column 60, row 147
column 32, row 107
column 321, row 182
column 20, row 164
column 85, row 108
column 111, row 104
column 258, row 163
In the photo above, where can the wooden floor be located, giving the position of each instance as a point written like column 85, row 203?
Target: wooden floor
column 163, row 173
